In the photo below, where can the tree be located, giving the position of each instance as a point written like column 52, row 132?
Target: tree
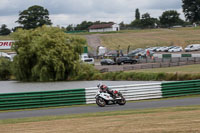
column 16, row 28
column 170, row 18
column 122, row 25
column 136, row 23
column 5, row 70
column 33, row 17
column 137, row 14
column 70, row 27
column 4, row 30
column 191, row 9
column 147, row 21
column 84, row 25
column 46, row 54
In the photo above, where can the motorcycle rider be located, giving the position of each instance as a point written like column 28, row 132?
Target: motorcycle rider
column 104, row 88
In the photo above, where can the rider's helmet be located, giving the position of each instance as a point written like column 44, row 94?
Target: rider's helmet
column 103, row 87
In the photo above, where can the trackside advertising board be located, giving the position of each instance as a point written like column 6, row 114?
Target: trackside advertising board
column 6, row 44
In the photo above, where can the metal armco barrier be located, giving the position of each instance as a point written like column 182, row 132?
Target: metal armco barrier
column 42, row 99
column 87, row 95
column 130, row 92
column 180, row 88
column 151, row 91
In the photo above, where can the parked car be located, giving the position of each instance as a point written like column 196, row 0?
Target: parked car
column 107, row 62
column 176, row 49
column 141, row 53
column 152, row 49
column 168, row 48
column 158, row 49
column 144, row 53
column 192, row 47
column 134, row 52
column 125, row 60
column 162, row 49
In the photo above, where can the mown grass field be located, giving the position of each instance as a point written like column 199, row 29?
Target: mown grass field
column 151, row 37
column 173, row 119
column 188, row 69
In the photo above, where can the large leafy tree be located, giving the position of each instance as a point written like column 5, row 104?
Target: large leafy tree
column 46, row 54
column 170, row 18
column 35, row 16
column 147, row 21
column 191, row 9
column 4, row 30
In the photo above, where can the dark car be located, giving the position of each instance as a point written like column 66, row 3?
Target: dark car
column 125, row 60
column 107, row 62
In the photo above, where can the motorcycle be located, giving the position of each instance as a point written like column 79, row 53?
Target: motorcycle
column 103, row 98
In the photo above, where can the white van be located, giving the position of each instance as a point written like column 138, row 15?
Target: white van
column 192, row 47
column 85, row 58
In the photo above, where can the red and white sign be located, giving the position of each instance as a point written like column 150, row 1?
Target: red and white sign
column 6, row 44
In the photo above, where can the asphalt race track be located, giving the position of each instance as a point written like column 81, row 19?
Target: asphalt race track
column 94, row 108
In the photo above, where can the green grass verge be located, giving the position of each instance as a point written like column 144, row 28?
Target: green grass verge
column 100, row 114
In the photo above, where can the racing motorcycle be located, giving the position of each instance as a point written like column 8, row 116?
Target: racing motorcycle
column 103, row 98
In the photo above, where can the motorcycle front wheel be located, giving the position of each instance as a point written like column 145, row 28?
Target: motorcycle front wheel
column 122, row 101
column 100, row 102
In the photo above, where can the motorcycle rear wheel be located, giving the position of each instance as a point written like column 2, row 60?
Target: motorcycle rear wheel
column 100, row 102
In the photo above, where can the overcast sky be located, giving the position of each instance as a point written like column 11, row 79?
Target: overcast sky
column 65, row 12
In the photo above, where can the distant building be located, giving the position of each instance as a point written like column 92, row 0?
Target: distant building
column 104, row 27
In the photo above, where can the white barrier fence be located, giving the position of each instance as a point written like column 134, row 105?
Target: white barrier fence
column 130, row 92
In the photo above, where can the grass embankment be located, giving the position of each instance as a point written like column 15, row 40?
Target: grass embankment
column 174, row 119
column 189, row 72
column 143, row 76
column 151, row 37
column 189, row 69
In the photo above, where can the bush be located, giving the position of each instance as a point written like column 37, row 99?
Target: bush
column 86, row 72
column 144, row 76
column 5, row 68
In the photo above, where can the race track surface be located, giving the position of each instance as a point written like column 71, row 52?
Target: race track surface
column 94, row 108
